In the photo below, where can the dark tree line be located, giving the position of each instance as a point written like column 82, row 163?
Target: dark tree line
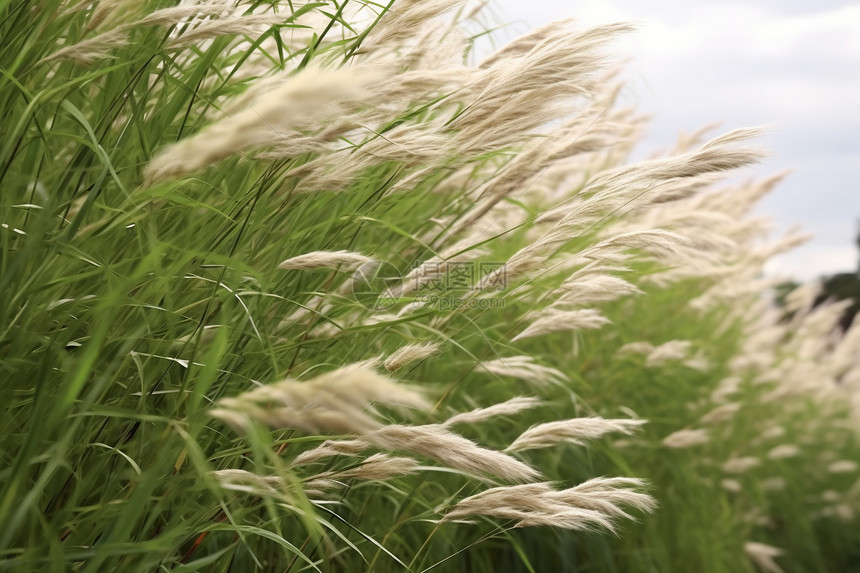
column 839, row 286
column 844, row 286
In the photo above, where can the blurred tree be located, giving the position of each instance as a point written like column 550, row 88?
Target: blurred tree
column 782, row 290
column 844, row 286
column 840, row 287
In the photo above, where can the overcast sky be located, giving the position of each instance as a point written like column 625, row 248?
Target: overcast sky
column 791, row 64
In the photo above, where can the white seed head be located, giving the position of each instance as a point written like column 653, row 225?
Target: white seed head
column 594, row 504
column 686, row 438
column 525, row 368
column 336, row 401
column 451, row 450
column 409, row 354
column 783, row 451
column 563, row 321
column 842, row 467
column 506, row 408
column 721, row 413
column 325, row 259
column 576, row 431
column 740, row 465
column 763, row 556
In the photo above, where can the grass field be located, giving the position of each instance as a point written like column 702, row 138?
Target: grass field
column 302, row 286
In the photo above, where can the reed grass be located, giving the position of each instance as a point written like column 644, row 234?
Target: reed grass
column 303, row 286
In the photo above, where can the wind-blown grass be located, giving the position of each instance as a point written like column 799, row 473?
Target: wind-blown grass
column 295, row 286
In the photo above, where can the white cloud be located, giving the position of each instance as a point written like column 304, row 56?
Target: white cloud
column 790, row 63
column 814, row 261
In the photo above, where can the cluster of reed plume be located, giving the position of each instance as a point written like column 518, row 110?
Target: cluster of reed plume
column 529, row 146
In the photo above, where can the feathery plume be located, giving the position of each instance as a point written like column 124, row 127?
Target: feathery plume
column 529, row 506
column 783, row 451
column 89, row 51
column 376, row 467
column 512, row 406
column 740, row 465
column 686, row 438
column 698, row 362
column 307, row 100
column 591, row 505
column 839, row 511
column 672, row 350
column 325, row 259
column 237, row 25
column 524, row 368
column 773, row 432
column 336, row 401
column 641, row 347
column 594, row 287
column 763, row 556
column 194, row 17
column 409, row 354
column 404, row 21
column 607, row 495
column 436, row 442
column 562, row 321
column 249, row 482
column 328, row 449
column 576, row 431
column 718, row 155
column 720, row 413
column 842, row 467
column 109, row 13
column 559, row 67
column 725, row 388
column 731, row 485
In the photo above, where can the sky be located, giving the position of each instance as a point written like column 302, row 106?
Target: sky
column 793, row 65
